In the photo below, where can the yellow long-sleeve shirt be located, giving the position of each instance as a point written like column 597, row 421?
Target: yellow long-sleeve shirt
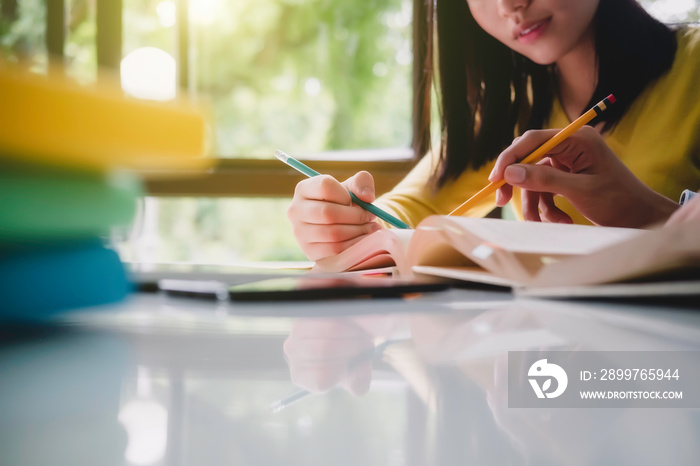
column 658, row 139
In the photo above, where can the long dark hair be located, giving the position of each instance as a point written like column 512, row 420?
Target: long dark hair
column 484, row 85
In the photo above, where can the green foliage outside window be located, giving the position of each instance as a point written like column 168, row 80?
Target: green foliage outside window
column 305, row 75
column 22, row 30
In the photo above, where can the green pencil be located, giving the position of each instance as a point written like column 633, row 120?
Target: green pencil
column 310, row 172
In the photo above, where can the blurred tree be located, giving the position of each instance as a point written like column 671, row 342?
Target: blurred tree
column 22, row 30
column 307, row 75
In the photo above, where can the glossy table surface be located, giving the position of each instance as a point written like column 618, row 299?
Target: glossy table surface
column 161, row 380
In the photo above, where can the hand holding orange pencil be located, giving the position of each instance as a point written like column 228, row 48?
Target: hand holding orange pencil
column 586, row 172
column 539, row 153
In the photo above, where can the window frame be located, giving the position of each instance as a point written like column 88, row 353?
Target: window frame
column 240, row 177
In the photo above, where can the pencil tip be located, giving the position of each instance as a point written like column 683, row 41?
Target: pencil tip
column 281, row 155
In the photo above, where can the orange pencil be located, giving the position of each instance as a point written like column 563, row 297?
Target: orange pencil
column 577, row 124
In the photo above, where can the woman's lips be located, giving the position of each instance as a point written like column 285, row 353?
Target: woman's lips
column 532, row 32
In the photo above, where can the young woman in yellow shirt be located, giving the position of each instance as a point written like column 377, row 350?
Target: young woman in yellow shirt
column 509, row 66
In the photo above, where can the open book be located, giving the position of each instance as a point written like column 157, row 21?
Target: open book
column 512, row 253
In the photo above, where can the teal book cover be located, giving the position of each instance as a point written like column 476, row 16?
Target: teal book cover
column 41, row 281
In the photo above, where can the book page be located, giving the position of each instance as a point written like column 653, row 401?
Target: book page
column 467, row 274
column 652, row 252
column 380, row 249
column 541, row 238
column 511, row 250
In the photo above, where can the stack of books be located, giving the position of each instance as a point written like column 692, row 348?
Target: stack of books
column 71, row 161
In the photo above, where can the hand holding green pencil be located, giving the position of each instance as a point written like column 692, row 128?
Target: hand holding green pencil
column 324, row 212
column 297, row 165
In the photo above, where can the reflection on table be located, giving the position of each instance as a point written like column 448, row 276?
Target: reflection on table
column 162, row 380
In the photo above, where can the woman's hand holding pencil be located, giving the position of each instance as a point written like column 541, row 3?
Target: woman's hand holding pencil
column 539, row 152
column 584, row 170
column 328, row 216
column 576, row 163
column 324, row 219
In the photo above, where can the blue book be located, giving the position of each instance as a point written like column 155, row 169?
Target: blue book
column 38, row 281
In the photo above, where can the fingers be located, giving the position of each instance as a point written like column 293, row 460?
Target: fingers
column 362, row 185
column 539, row 183
column 682, row 216
column 503, row 195
column 317, row 251
column 585, row 151
column 583, row 169
column 519, row 149
column 323, row 188
column 327, row 213
column 324, row 220
column 688, row 213
column 319, row 354
column 316, row 378
column 325, row 229
column 539, row 207
column 358, row 380
column 322, row 200
column 549, row 212
column 339, row 233
column 544, row 178
column 322, row 377
column 530, row 203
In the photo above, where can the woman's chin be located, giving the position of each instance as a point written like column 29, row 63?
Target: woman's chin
column 542, row 59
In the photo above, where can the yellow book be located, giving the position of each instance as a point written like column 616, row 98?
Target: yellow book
column 53, row 120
